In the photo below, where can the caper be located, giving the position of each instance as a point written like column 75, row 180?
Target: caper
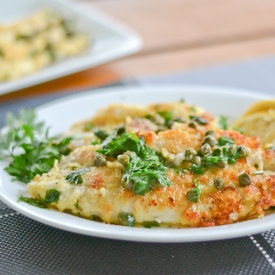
column 232, row 150
column 179, row 119
column 218, row 152
column 210, row 133
column 126, row 219
column 190, row 153
column 243, row 151
column 99, row 160
column 199, row 120
column 121, row 130
column 222, row 164
column 123, row 159
column 219, row 183
column 209, row 140
column 196, row 160
column 193, row 124
column 205, row 149
column 244, row 179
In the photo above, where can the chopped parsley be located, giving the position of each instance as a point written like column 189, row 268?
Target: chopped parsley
column 150, row 224
column 143, row 174
column 28, row 149
column 115, row 145
column 223, row 124
column 34, row 202
column 52, row 195
column 126, row 219
column 168, row 116
column 225, row 140
column 194, row 194
column 75, row 176
column 197, row 169
column 145, row 171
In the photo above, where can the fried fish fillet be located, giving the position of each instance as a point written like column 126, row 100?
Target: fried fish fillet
column 103, row 194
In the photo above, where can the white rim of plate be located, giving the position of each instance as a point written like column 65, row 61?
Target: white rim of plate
column 163, row 235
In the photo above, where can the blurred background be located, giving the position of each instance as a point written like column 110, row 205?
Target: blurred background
column 178, row 35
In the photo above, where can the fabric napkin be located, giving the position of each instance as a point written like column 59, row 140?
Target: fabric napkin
column 30, row 247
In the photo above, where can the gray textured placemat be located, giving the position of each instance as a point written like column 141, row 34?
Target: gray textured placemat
column 29, row 247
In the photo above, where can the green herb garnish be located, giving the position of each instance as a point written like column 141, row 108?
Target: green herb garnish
column 210, row 161
column 75, row 176
column 146, row 173
column 223, row 124
column 145, row 170
column 115, row 145
column 150, row 224
column 225, row 140
column 34, row 202
column 168, row 116
column 52, row 195
column 28, row 149
column 197, row 169
column 194, row 194
column 126, row 219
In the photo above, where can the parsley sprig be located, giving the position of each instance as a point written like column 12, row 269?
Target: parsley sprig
column 75, row 177
column 143, row 174
column 52, row 195
column 114, row 145
column 223, row 122
column 26, row 146
column 145, row 171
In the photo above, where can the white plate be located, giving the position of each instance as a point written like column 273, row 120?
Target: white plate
column 62, row 113
column 110, row 39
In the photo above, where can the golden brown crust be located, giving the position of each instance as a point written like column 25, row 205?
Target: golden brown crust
column 104, row 194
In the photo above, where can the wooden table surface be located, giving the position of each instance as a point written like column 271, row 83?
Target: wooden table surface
column 178, row 35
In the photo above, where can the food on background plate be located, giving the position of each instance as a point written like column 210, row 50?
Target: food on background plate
column 37, row 41
column 168, row 164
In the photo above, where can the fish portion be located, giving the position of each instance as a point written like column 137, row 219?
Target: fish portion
column 214, row 184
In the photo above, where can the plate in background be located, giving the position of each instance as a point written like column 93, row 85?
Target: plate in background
column 110, row 39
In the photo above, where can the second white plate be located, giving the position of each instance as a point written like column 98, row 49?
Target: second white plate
column 109, row 39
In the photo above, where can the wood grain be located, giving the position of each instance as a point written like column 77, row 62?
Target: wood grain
column 187, row 23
